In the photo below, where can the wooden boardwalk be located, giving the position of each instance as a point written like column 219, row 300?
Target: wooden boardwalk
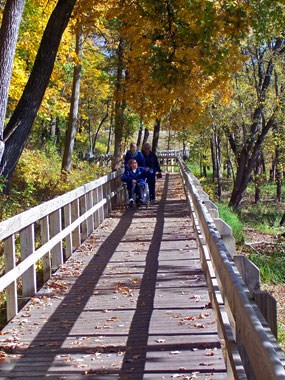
column 130, row 304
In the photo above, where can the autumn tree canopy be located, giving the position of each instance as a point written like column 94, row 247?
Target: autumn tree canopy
column 167, row 61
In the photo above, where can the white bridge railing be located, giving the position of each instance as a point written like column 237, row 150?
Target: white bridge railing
column 251, row 350
column 50, row 232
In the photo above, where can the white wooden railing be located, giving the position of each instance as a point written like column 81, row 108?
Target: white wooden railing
column 251, row 350
column 51, row 232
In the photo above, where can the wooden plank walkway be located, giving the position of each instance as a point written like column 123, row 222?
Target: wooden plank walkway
column 130, row 304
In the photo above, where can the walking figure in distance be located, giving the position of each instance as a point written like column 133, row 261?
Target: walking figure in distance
column 152, row 167
column 134, row 153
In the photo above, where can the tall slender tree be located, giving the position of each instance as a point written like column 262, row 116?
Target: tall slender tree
column 19, row 126
column 9, row 31
column 74, row 105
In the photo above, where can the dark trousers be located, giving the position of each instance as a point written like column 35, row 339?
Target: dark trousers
column 135, row 189
column 151, row 185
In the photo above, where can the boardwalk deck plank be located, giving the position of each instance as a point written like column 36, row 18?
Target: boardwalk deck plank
column 130, row 304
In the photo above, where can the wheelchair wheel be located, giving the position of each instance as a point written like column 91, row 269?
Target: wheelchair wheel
column 146, row 196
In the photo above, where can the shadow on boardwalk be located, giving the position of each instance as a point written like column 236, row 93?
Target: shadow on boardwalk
column 132, row 305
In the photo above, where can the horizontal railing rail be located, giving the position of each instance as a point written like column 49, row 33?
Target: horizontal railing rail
column 51, row 232
column 252, row 351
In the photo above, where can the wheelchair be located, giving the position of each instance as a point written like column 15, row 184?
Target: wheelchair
column 145, row 199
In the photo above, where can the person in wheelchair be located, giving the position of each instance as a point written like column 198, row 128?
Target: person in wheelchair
column 135, row 178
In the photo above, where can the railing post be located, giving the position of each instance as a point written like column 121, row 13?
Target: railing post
column 11, row 290
column 100, row 194
column 76, row 236
column 45, row 238
column 90, row 221
column 27, row 243
column 55, row 228
column 83, row 209
column 67, row 222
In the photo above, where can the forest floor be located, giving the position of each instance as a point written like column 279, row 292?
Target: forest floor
column 277, row 290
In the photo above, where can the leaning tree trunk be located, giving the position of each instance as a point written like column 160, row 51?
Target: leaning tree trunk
column 139, row 140
column 120, row 106
column 257, row 179
column 9, row 31
column 246, row 162
column 146, row 135
column 155, row 138
column 74, row 106
column 18, row 129
column 98, row 130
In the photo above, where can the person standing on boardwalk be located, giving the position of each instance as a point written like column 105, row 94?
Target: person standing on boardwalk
column 152, row 167
column 134, row 154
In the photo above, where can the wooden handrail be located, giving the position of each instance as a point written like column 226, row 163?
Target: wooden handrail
column 249, row 332
column 70, row 218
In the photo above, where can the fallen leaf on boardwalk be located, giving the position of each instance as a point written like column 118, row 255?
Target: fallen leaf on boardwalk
column 3, row 356
column 112, row 319
column 199, row 326
column 210, row 353
column 160, row 340
column 208, row 305
column 54, row 344
column 190, row 318
column 202, row 316
column 90, row 371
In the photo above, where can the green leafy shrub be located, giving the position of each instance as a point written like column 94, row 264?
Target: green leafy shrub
column 232, row 219
column 38, row 178
column 271, row 266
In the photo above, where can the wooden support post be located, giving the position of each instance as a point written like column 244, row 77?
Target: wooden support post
column 67, row 222
column 55, row 228
column 83, row 209
column 101, row 210
column 11, row 290
column 90, row 221
column 96, row 214
column 76, row 235
column 46, row 260
column 27, row 244
column 268, row 306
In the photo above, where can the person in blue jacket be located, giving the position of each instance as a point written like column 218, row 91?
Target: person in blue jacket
column 151, row 162
column 135, row 177
column 134, row 153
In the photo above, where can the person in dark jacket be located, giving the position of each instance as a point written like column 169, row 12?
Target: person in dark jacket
column 134, row 153
column 135, row 178
column 151, row 162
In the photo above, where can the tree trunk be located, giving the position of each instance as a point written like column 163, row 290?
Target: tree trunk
column 74, row 106
column 9, row 31
column 98, row 130
column 214, row 159
column 120, row 106
column 278, row 169
column 140, row 135
column 257, row 179
column 18, row 129
column 218, row 162
column 155, row 138
column 146, row 135
column 110, row 133
column 246, row 163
